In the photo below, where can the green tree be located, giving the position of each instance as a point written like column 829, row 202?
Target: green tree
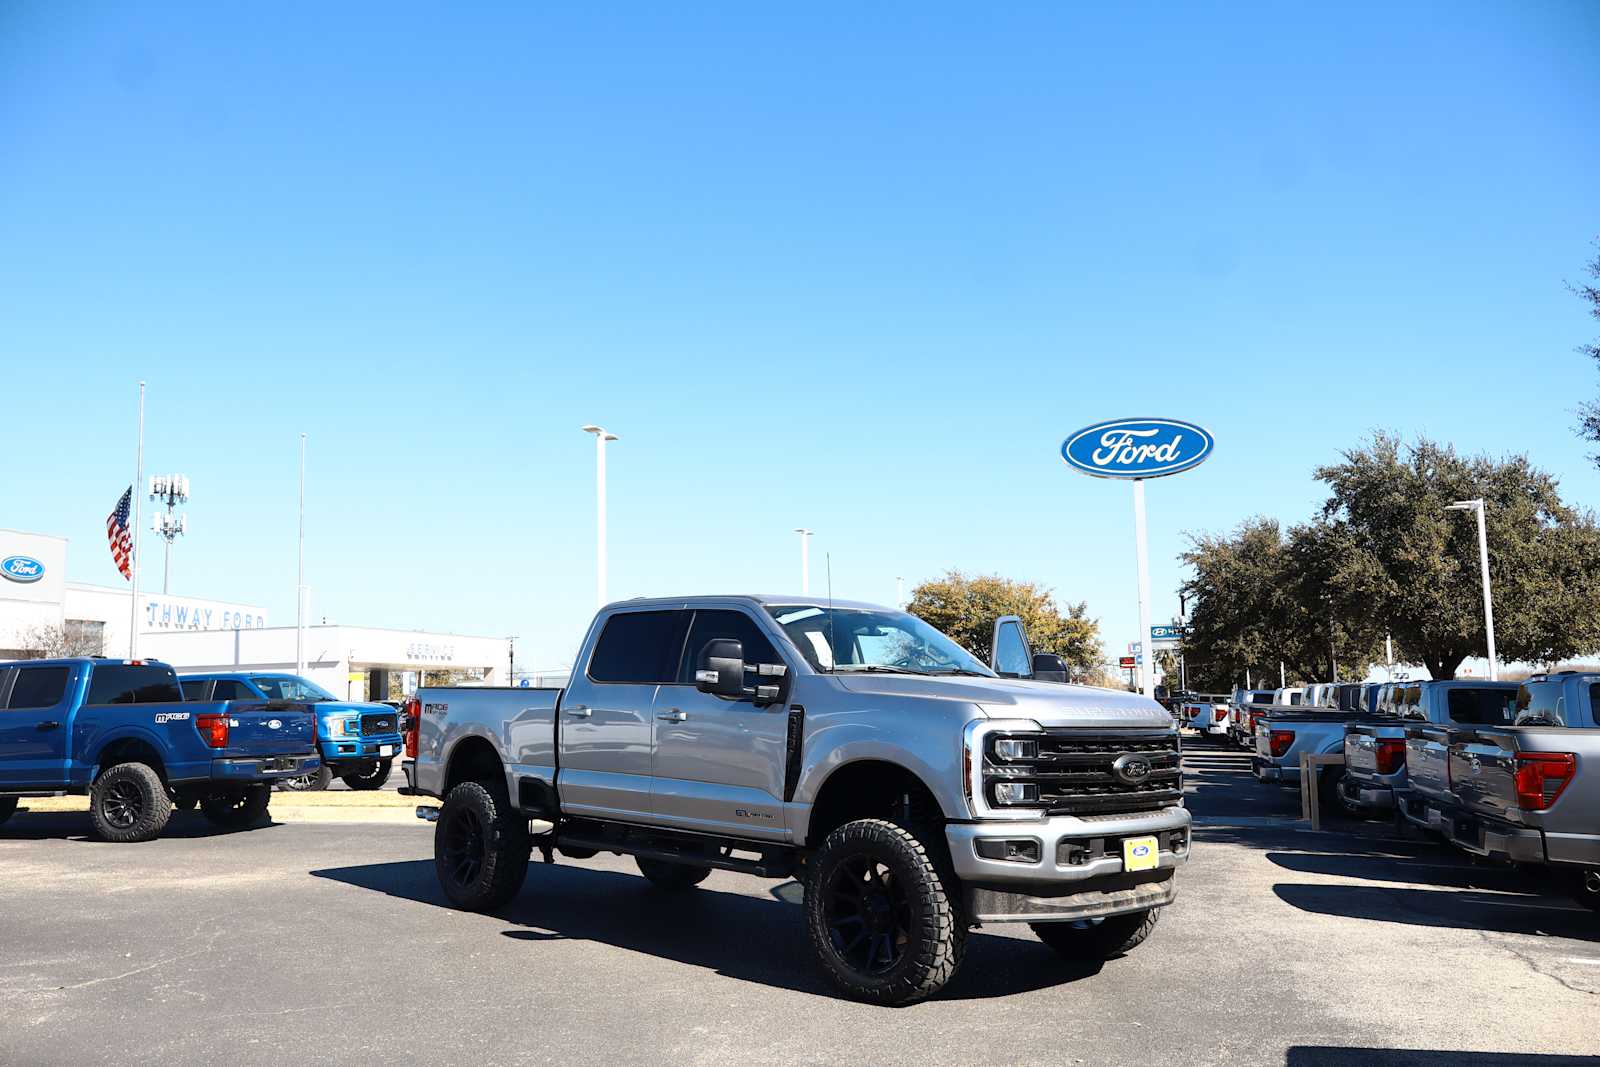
column 966, row 608
column 1412, row 566
column 1589, row 425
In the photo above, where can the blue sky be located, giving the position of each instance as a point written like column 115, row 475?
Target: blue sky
column 858, row 270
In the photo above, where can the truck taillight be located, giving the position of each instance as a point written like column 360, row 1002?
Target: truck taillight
column 1280, row 740
column 1221, row 713
column 1541, row 776
column 412, row 710
column 213, row 730
column 1254, row 715
column 1391, row 755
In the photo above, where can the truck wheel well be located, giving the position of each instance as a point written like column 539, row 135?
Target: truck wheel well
column 871, row 789
column 132, row 750
column 474, row 760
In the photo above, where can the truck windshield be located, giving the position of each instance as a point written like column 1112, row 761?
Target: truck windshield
column 289, row 687
column 859, row 639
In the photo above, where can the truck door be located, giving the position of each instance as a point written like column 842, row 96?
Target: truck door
column 605, row 722
column 34, row 726
column 719, row 762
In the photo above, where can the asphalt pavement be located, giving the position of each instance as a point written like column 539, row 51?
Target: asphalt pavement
column 331, row 943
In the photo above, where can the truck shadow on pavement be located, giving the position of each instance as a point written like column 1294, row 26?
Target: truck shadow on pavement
column 752, row 939
column 74, row 826
column 1328, row 1056
column 1458, row 910
column 1443, row 869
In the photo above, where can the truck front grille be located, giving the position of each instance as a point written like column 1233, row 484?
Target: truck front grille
column 1076, row 770
column 384, row 723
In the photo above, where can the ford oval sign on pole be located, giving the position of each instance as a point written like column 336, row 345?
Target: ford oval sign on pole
column 1137, row 449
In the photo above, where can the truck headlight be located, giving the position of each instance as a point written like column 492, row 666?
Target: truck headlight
column 1016, row 793
column 343, row 727
column 1016, row 748
column 996, row 760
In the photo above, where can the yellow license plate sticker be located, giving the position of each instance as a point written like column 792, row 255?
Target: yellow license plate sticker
column 1140, row 854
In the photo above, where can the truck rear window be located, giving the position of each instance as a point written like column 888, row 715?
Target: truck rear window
column 113, row 683
column 639, row 647
column 38, row 687
column 1482, row 707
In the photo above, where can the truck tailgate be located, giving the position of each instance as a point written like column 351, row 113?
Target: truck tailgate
column 1483, row 772
column 269, row 729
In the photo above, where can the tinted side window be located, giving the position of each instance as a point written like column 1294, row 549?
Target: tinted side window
column 193, row 689
column 38, row 687
column 227, row 689
column 121, row 684
column 1011, row 652
column 641, row 647
column 710, row 625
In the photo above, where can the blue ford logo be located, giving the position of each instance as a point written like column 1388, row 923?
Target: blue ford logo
column 22, row 568
column 1137, row 448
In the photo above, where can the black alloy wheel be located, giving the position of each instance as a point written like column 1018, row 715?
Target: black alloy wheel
column 462, row 847
column 123, row 804
column 868, row 914
column 480, row 847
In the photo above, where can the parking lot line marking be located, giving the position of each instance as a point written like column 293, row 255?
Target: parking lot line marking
column 1580, row 960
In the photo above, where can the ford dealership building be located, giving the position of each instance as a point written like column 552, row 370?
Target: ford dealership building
column 42, row 612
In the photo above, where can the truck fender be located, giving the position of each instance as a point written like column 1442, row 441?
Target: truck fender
column 841, row 754
column 97, row 747
column 470, row 731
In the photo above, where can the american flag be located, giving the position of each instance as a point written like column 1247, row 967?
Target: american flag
column 117, row 534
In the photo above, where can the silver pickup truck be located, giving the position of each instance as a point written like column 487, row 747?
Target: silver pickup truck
column 1526, row 790
column 914, row 791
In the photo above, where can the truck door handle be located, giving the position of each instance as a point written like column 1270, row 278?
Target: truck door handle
column 579, row 712
column 675, row 715
column 48, row 724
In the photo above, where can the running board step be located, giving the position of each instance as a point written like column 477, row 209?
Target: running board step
column 772, row 864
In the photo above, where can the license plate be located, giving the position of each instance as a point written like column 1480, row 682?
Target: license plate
column 385, row 750
column 1140, row 854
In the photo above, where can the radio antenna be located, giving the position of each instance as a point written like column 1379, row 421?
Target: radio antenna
column 833, row 647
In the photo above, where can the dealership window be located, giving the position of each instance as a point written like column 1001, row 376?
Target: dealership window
column 86, row 637
column 639, row 647
column 38, row 687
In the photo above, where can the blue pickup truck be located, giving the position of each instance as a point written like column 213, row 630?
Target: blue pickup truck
column 358, row 742
column 121, row 732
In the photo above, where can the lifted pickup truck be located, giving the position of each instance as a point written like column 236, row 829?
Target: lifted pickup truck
column 913, row 791
column 1527, row 791
column 120, row 731
column 358, row 742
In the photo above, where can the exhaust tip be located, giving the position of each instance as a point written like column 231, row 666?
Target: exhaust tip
column 427, row 813
column 1591, row 881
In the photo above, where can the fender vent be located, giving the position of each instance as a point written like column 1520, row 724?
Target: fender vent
column 792, row 744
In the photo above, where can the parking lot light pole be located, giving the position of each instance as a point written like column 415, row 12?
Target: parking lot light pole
column 1483, row 563
column 300, row 586
column 601, row 436
column 805, row 559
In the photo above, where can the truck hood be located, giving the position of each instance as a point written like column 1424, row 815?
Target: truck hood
column 1047, row 703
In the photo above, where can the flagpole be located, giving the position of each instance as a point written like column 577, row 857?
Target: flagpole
column 300, row 587
column 138, row 524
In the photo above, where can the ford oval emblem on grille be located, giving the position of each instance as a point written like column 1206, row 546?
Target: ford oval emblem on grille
column 1131, row 769
column 274, row 724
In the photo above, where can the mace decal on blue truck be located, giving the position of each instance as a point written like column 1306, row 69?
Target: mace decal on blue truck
column 22, row 568
column 1137, row 448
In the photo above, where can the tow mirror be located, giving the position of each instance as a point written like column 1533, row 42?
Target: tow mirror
column 1049, row 667
column 721, row 668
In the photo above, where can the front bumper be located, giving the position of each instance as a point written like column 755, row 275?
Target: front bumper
column 263, row 768
column 1073, row 850
column 1134, row 892
column 353, row 749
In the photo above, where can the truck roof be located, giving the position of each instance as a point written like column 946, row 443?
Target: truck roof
column 758, row 600
column 82, row 661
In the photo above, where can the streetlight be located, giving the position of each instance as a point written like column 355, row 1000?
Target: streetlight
column 601, row 436
column 805, row 559
column 171, row 489
column 1483, row 562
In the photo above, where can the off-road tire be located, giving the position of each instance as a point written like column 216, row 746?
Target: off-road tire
column 935, row 935
column 129, row 803
column 8, row 808
column 238, row 810
column 1091, row 940
column 369, row 779
column 671, row 877
column 480, row 847
column 314, row 782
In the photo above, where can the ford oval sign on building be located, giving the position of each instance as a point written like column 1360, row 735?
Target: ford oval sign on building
column 1137, row 448
column 22, row 568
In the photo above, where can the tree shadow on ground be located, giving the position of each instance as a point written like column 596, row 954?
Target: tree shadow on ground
column 1328, row 1056
column 752, row 939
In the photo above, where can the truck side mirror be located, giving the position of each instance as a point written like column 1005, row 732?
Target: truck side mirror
column 720, row 671
column 1049, row 667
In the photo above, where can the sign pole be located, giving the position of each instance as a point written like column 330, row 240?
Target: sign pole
column 1147, row 674
column 138, row 523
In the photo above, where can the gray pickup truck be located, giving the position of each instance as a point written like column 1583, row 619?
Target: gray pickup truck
column 914, row 791
column 1284, row 734
column 1375, row 751
column 1527, row 790
column 1433, row 722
